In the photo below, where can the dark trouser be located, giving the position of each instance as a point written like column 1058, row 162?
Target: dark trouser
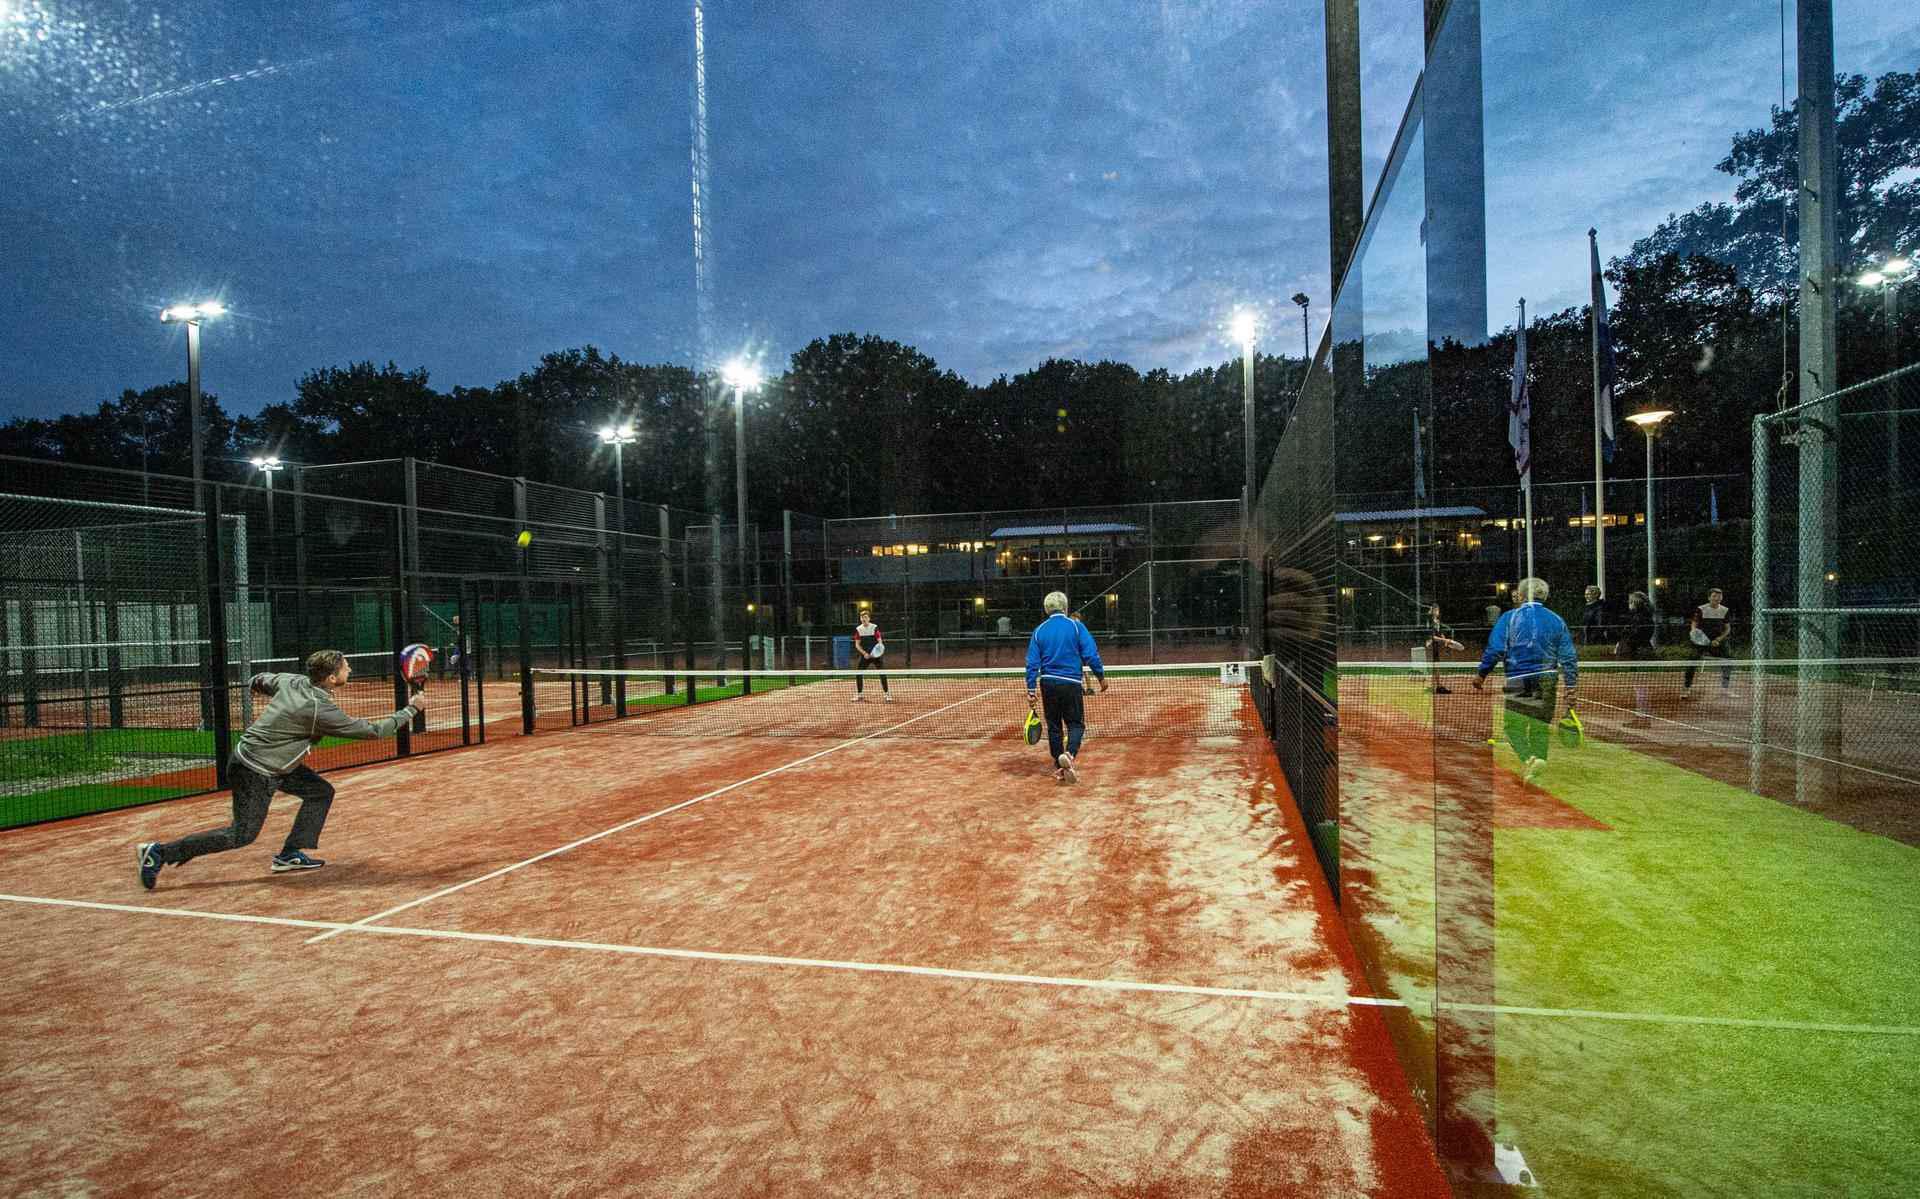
column 1709, row 651
column 252, row 793
column 1530, row 703
column 1063, row 704
column 860, row 681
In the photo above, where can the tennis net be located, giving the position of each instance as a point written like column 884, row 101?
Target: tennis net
column 1186, row 700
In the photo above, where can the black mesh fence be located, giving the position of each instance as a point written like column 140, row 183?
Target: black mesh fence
column 1296, row 536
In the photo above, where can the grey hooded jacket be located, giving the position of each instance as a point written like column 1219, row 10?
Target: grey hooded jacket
column 299, row 713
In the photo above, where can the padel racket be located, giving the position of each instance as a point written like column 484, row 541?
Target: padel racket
column 1572, row 732
column 1699, row 637
column 415, row 661
column 1033, row 727
column 879, row 650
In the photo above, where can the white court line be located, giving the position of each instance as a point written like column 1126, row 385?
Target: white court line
column 638, row 820
column 989, row 976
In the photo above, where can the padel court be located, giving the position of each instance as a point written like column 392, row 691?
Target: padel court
column 606, row 961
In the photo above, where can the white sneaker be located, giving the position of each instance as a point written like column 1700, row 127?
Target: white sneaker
column 886, row 697
column 1067, row 773
column 859, row 699
column 1532, row 769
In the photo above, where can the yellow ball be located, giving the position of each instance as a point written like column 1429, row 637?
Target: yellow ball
column 525, row 539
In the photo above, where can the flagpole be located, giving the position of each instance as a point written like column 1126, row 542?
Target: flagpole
column 1599, row 469
column 1526, row 479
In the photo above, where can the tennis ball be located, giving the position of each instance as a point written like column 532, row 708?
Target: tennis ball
column 525, row 539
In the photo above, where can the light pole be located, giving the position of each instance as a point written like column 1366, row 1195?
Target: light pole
column 742, row 377
column 1245, row 328
column 1888, row 276
column 619, row 437
column 1306, row 337
column 267, row 465
column 1648, row 420
column 191, row 315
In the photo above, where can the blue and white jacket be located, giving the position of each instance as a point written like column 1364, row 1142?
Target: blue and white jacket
column 1061, row 645
column 1534, row 641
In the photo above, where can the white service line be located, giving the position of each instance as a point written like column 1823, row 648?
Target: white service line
column 1032, row 980
column 744, row 959
column 638, row 820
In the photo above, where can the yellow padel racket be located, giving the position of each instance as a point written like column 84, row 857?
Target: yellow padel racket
column 1033, row 727
column 1572, row 732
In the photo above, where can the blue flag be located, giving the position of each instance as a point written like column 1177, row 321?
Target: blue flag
column 1520, row 404
column 1603, row 353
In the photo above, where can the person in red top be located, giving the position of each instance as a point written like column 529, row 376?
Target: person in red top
column 871, row 646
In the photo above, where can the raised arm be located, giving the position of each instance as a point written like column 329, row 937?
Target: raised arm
column 330, row 721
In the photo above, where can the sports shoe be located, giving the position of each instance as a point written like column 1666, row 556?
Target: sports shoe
column 887, row 697
column 149, row 863
column 1532, row 769
column 297, row 860
column 858, row 698
column 1068, row 774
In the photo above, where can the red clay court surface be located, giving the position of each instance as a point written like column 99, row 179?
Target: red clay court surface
column 595, row 962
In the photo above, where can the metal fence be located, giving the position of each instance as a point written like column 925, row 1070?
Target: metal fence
column 131, row 617
column 1836, row 483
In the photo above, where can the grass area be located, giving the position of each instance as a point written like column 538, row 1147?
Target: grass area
column 61, row 755
column 62, row 802
column 1698, row 899
column 1703, row 899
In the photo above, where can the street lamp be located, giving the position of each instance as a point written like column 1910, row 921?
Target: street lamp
column 1245, row 328
column 619, row 437
column 1306, row 339
column 742, row 377
column 1648, row 420
column 267, row 465
column 1888, row 276
column 191, row 315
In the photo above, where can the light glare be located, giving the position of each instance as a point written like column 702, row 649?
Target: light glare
column 742, row 375
column 1244, row 326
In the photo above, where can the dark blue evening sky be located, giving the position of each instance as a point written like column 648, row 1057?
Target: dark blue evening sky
column 463, row 187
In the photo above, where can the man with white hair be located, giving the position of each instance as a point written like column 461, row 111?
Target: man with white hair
column 1533, row 642
column 1060, row 650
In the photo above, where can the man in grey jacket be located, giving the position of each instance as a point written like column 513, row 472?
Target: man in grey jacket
column 271, row 756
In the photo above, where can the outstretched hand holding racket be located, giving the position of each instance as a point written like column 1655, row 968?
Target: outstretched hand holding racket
column 415, row 661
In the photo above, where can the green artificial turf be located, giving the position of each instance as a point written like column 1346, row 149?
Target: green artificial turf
column 61, row 802
column 1698, row 902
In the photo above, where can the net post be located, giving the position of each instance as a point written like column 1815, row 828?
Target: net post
column 214, row 673
column 475, row 667
column 667, row 590
column 525, row 610
column 617, row 594
column 785, row 623
column 397, row 538
column 116, row 677
column 460, row 647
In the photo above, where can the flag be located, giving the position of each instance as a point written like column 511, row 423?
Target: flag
column 1520, row 406
column 1419, row 465
column 1602, row 352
